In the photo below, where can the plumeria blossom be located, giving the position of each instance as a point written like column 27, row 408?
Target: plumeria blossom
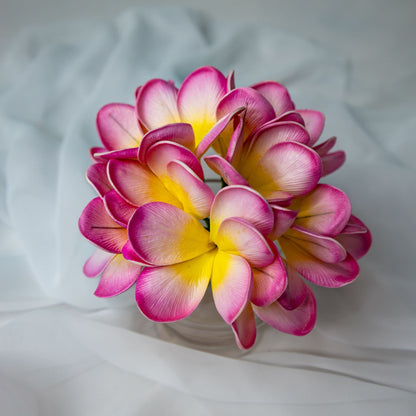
column 117, row 274
column 273, row 225
column 186, row 256
column 159, row 102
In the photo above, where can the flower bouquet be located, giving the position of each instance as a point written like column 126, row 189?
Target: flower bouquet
column 157, row 224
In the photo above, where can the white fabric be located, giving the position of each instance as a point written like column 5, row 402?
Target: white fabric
column 65, row 352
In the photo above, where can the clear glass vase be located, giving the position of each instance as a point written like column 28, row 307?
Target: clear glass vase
column 203, row 330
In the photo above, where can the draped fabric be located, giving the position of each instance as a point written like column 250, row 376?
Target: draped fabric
column 65, row 352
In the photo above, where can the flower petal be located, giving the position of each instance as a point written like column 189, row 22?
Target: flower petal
column 236, row 143
column 214, row 135
column 230, row 81
column 180, row 133
column 97, row 177
column 243, row 202
column 238, row 236
column 156, row 104
column 316, row 271
column 97, row 226
column 162, row 234
column 324, row 147
column 323, row 248
column 314, row 123
column 170, row 293
column 198, row 98
column 269, row 282
column 283, row 220
column 117, row 277
column 276, row 94
column 194, row 194
column 299, row 321
column 137, row 184
column 223, row 168
column 118, row 127
column 356, row 243
column 244, row 328
column 116, row 154
column 119, row 210
column 332, row 161
column 231, row 284
column 129, row 254
column 266, row 138
column 289, row 167
column 161, row 153
column 325, row 210
column 258, row 110
column 95, row 265
column 290, row 116
column 296, row 290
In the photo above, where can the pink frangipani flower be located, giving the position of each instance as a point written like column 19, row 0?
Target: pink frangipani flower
column 156, row 222
column 234, row 256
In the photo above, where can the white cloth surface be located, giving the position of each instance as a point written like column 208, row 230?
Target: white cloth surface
column 65, row 352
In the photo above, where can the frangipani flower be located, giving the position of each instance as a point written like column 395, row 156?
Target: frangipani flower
column 313, row 241
column 117, row 274
column 157, row 223
column 160, row 103
column 276, row 162
column 233, row 256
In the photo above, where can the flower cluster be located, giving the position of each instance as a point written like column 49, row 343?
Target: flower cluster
column 158, row 225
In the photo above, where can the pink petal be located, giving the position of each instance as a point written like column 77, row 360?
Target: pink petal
column 258, row 110
column 230, row 81
column 170, row 293
column 325, row 210
column 137, row 184
column 198, row 98
column 269, row 282
column 316, row 271
column 156, row 104
column 289, row 167
column 238, row 236
column 118, row 127
column 117, row 154
column 94, row 150
column 324, row 147
column 129, row 254
column 332, row 161
column 283, row 220
column 299, row 321
column 291, row 116
column 323, row 248
column 244, row 328
column 276, row 94
column 217, row 131
column 119, row 210
column 242, row 202
column 179, row 133
column 117, row 277
column 223, row 168
column 268, row 136
column 231, row 284
column 160, row 154
column 162, row 234
column 95, row 265
column 194, row 194
column 356, row 243
column 314, row 123
column 296, row 290
column 97, row 177
column 236, row 143
column 97, row 226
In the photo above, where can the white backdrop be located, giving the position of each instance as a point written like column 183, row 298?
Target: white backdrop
column 65, row 352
